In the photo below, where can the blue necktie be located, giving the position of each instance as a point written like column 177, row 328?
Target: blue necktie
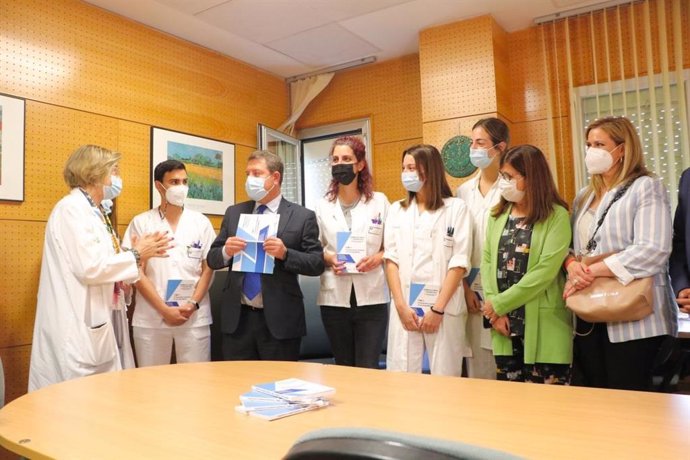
column 251, row 285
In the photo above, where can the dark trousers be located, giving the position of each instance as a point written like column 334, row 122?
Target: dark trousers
column 253, row 341
column 599, row 363
column 356, row 333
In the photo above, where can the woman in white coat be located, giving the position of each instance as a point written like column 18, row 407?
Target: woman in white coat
column 81, row 325
column 427, row 252
column 490, row 137
column 353, row 296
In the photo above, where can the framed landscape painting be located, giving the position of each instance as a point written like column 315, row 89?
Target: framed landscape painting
column 12, row 113
column 210, row 167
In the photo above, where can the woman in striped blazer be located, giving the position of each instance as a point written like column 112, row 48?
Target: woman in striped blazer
column 638, row 230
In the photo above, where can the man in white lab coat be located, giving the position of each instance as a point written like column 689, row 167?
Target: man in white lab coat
column 172, row 302
column 81, row 326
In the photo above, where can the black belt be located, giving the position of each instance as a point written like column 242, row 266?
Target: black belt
column 249, row 307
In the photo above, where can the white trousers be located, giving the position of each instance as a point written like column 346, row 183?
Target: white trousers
column 153, row 346
column 445, row 347
column 481, row 365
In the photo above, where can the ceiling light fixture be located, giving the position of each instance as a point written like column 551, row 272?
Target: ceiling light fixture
column 334, row 68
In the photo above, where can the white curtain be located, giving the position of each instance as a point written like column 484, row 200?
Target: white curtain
column 302, row 92
column 626, row 60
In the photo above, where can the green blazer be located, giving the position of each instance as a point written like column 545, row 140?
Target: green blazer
column 548, row 324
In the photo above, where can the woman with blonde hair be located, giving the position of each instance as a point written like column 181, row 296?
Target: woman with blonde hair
column 624, row 211
column 81, row 324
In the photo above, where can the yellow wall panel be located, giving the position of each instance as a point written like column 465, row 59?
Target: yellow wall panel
column 388, row 93
column 536, row 133
column 527, row 82
column 69, row 53
column 457, row 69
column 21, row 247
column 388, row 166
column 52, row 134
column 440, row 132
column 92, row 77
column 503, row 75
column 134, row 143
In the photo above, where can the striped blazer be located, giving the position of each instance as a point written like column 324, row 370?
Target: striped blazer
column 638, row 228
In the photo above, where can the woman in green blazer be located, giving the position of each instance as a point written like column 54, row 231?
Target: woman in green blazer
column 527, row 239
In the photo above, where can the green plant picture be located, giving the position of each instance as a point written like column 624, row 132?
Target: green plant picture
column 204, row 169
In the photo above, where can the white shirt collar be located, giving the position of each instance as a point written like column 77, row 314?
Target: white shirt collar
column 271, row 205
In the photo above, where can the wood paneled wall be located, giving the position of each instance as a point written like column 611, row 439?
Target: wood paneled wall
column 92, row 77
column 464, row 71
column 89, row 76
column 389, row 94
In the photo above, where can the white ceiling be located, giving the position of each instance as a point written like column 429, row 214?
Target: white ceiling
column 291, row 37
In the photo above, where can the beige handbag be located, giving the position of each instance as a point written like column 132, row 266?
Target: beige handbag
column 607, row 300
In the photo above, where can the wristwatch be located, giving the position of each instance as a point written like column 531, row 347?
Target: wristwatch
column 195, row 303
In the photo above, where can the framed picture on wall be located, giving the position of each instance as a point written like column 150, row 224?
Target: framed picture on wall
column 210, row 167
column 12, row 117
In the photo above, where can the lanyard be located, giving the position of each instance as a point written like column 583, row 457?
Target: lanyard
column 106, row 221
column 592, row 245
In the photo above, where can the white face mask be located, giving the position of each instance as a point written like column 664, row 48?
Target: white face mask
column 598, row 161
column 480, row 157
column 509, row 190
column 254, row 186
column 411, row 182
column 112, row 191
column 176, row 194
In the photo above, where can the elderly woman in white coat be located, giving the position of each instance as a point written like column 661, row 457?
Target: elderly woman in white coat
column 81, row 325
column 427, row 252
column 353, row 296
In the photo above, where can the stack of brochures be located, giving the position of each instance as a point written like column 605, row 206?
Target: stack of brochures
column 282, row 398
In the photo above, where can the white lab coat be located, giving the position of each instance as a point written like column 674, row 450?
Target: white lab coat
column 367, row 219
column 482, row 363
column 192, row 228
column 73, row 333
column 424, row 251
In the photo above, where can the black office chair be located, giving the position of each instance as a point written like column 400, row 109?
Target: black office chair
column 371, row 444
column 215, row 293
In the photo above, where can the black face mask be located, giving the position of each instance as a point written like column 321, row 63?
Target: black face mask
column 344, row 173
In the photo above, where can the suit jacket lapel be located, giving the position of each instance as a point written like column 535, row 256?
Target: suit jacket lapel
column 249, row 207
column 285, row 211
column 244, row 208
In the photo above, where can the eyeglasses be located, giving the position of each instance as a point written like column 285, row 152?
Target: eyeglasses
column 508, row 177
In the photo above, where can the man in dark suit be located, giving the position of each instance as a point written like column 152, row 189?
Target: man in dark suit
column 262, row 316
column 680, row 256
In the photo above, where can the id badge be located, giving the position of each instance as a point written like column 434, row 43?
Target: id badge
column 376, row 230
column 194, row 253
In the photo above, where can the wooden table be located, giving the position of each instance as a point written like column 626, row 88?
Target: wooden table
column 187, row 411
